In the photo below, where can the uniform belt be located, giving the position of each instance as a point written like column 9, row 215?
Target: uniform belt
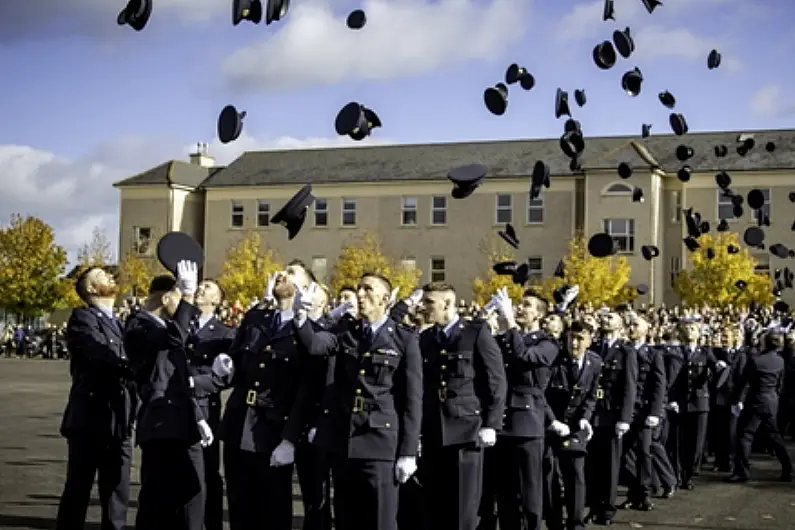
column 253, row 400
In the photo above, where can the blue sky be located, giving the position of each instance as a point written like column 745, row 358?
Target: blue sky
column 85, row 102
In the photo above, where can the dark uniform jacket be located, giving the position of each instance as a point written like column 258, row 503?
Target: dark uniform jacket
column 317, row 371
column 371, row 408
column 464, row 383
column 652, row 387
column 570, row 399
column 689, row 377
column 265, row 406
column 204, row 345
column 735, row 360
column 760, row 383
column 618, row 384
column 102, row 400
column 528, row 361
column 160, row 363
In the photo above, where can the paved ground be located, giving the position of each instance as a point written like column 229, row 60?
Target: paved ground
column 33, row 463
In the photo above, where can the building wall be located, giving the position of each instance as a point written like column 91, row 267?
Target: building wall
column 143, row 207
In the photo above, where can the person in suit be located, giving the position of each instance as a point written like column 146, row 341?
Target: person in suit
column 99, row 415
column 756, row 403
column 371, row 413
column 208, row 338
column 722, row 422
column 463, row 405
column 571, row 399
column 264, row 416
column 171, row 429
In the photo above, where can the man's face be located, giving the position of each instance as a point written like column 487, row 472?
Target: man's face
column 283, row 289
column 297, row 275
column 553, row 325
column 530, row 310
column 171, row 301
column 579, row 341
column 435, row 306
column 691, row 332
column 319, row 302
column 611, row 322
column 638, row 329
column 590, row 320
column 349, row 297
column 372, row 296
column 208, row 293
column 101, row 284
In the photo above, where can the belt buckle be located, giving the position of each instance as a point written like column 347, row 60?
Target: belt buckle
column 443, row 394
column 600, row 393
column 251, row 397
column 358, row 404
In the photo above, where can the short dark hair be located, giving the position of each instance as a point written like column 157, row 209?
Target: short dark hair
column 438, row 287
column 378, row 276
column 302, row 264
column 81, row 283
column 162, row 284
column 220, row 288
column 350, row 288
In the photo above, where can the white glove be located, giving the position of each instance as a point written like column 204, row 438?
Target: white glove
column 206, row 433
column 191, row 382
column 268, row 296
column 302, row 303
column 404, row 468
column 283, row 455
column 223, row 365
column 737, row 408
column 340, row 310
column 585, row 425
column 674, row 406
column 622, row 428
column 487, row 437
column 310, row 436
column 393, row 296
column 504, row 303
column 571, row 294
column 187, row 277
column 652, row 421
column 560, row 428
column 720, row 365
column 415, row 297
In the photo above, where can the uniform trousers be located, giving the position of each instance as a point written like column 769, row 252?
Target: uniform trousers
column 638, row 444
column 259, row 496
column 520, row 486
column 663, row 475
column 172, row 486
column 453, row 479
column 751, row 419
column 487, row 510
column 722, row 435
column 314, row 477
column 571, row 470
column 109, row 460
column 214, row 484
column 602, row 469
column 686, row 436
column 365, row 494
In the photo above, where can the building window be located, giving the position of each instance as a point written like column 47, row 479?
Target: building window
column 766, row 207
column 263, row 213
column 321, row 212
column 535, row 210
column 618, row 188
column 439, row 211
column 142, row 241
column 623, row 233
column 676, row 206
column 348, row 212
column 319, row 268
column 409, row 211
column 409, row 263
column 437, row 269
column 536, row 266
column 762, row 263
column 237, row 214
column 504, row 209
column 725, row 206
column 676, row 266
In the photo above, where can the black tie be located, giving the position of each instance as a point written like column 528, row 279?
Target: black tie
column 441, row 336
column 277, row 321
column 575, row 369
column 367, row 335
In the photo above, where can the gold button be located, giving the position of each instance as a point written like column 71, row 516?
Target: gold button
column 325, row 411
column 387, row 425
column 506, row 365
column 443, row 352
column 268, row 347
column 256, row 383
column 444, row 383
column 444, row 367
column 362, row 372
column 358, row 391
column 366, row 354
column 262, row 365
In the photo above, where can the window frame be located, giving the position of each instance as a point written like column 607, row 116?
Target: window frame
column 267, row 213
column 503, row 209
column 434, row 271
column 536, row 273
column 435, row 209
column 320, row 211
column 722, row 201
column 539, row 206
column 629, row 234
column 344, row 210
column 626, row 190
column 233, row 214
column 408, row 209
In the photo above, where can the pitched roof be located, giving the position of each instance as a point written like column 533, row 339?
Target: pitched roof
column 171, row 172
column 508, row 158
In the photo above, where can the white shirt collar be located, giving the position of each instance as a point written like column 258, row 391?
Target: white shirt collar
column 375, row 326
column 203, row 320
column 449, row 327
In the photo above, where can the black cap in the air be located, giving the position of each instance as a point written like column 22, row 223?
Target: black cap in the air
column 723, row 180
column 684, row 152
column 723, row 226
column 667, row 99
column 539, row 179
column 562, row 103
column 604, row 55
column 632, row 82
column 624, row 42
column 579, row 97
column 601, row 245
column 692, row 243
column 645, row 130
column 713, row 59
column 756, row 199
column 779, row 251
column 637, row 195
column 754, row 236
column 642, row 289
column 678, row 123
column 178, row 246
column 721, row 151
column 519, row 74
column 293, row 213
column 733, row 249
column 624, row 170
column 504, row 268
column 509, row 236
column 560, row 270
column 356, row 120
column 250, row 10
column 684, row 173
column 609, row 11
column 276, row 10
column 136, row 14
column 522, row 274
column 356, row 19
column 496, row 99
column 230, row 124
column 770, row 147
column 651, row 5
column 466, row 179
column 649, row 252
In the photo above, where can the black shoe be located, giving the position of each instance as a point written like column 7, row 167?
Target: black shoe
column 644, row 506
column 603, row 520
column 736, row 479
column 668, row 492
column 626, row 505
column 786, row 476
column 689, row 485
column 589, row 518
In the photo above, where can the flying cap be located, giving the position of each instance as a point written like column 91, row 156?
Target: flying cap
column 756, row 199
column 509, row 236
column 496, row 99
column 733, row 249
column 504, row 268
column 522, row 274
column 519, row 74
column 293, row 213
column 779, row 251
column 178, row 246
column 230, row 124
column 723, row 226
column 684, row 152
column 250, row 10
column 667, row 99
column 276, row 10
column 678, row 123
column 356, row 120
column 356, row 19
column 601, row 245
column 645, row 130
column 579, row 97
column 721, row 151
column 624, row 170
column 649, row 252
column 136, row 14
column 539, row 179
column 754, row 236
column 651, row 5
column 560, row 270
column 466, row 179
column 642, row 289
column 562, row 103
column 691, row 243
column 770, row 147
column 604, row 55
column 713, row 59
column 624, row 43
column 684, row 173
column 637, row 195
column 632, row 82
column 723, row 180
column 609, row 11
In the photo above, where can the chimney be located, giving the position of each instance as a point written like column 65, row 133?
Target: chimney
column 202, row 156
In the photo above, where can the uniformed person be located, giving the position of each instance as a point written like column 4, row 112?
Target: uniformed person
column 264, row 416
column 649, row 402
column 756, row 402
column 372, row 408
column 571, row 397
column 99, row 415
column 722, row 423
column 463, row 406
column 612, row 417
column 170, row 427
column 208, row 338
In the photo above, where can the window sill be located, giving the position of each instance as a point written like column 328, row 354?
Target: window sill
column 321, row 227
column 541, row 223
column 348, row 227
column 237, row 228
column 414, row 226
column 432, row 225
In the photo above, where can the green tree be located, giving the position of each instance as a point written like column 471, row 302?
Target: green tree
column 135, row 275
column 713, row 281
column 31, row 266
column 246, row 268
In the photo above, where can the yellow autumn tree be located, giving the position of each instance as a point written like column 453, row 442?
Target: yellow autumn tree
column 94, row 253
column 246, row 268
column 497, row 251
column 713, row 281
column 135, row 275
column 365, row 253
column 601, row 280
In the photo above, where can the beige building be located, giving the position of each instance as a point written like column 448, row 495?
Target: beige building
column 402, row 192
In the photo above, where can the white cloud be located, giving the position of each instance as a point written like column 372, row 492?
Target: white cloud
column 766, row 102
column 76, row 195
column 406, row 38
column 655, row 41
